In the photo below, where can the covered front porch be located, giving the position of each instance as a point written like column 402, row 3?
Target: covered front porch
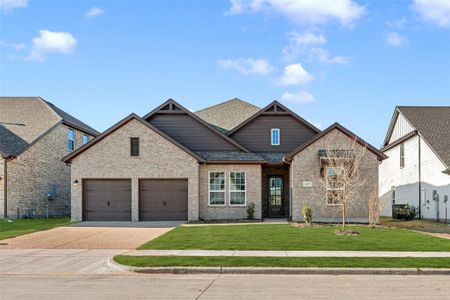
column 275, row 191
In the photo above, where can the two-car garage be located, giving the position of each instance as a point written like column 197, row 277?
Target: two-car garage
column 111, row 199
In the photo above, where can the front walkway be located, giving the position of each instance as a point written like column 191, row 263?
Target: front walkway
column 284, row 253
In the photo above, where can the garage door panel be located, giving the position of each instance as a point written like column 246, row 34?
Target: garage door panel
column 107, row 200
column 163, row 199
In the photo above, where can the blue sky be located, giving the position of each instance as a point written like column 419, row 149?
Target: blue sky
column 349, row 61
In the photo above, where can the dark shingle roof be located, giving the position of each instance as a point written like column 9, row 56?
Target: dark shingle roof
column 433, row 123
column 229, row 156
column 229, row 114
column 72, row 120
column 10, row 144
column 273, row 157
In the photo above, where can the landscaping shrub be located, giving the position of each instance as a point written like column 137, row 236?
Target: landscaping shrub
column 405, row 212
column 307, row 214
column 251, row 211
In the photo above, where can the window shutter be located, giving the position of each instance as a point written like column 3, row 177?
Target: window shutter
column 134, row 146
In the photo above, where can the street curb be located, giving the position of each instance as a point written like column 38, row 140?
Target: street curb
column 279, row 271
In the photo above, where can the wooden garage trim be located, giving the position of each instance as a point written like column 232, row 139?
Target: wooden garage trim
column 83, row 193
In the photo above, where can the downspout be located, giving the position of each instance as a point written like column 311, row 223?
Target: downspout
column 420, row 180
column 5, row 188
column 289, row 162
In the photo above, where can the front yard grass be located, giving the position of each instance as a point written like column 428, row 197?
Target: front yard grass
column 293, row 262
column 24, row 226
column 287, row 237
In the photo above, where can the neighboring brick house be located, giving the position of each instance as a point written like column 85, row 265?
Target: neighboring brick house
column 173, row 164
column 34, row 137
column 417, row 171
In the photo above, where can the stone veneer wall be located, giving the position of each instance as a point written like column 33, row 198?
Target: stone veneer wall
column 159, row 158
column 306, row 167
column 253, row 190
column 30, row 176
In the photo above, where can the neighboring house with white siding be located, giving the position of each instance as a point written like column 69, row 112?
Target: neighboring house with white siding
column 34, row 137
column 417, row 170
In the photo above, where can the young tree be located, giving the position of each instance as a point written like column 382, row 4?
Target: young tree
column 340, row 179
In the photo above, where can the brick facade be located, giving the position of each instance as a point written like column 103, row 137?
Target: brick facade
column 253, row 191
column 306, row 167
column 39, row 171
column 159, row 158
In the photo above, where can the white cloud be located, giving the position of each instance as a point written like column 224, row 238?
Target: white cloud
column 294, row 74
column 312, row 12
column 300, row 97
column 15, row 46
column 434, row 11
column 299, row 42
column 52, row 42
column 396, row 40
column 324, row 57
column 398, row 24
column 94, row 12
column 247, row 66
column 8, row 5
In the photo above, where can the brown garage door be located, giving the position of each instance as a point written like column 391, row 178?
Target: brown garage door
column 107, row 200
column 163, row 199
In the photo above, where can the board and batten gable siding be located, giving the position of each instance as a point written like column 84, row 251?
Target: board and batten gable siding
column 190, row 132
column 306, row 167
column 253, row 191
column 401, row 128
column 158, row 158
column 256, row 135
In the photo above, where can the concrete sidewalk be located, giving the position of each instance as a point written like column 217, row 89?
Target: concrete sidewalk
column 284, row 253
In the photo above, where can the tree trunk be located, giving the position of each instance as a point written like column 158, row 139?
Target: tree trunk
column 343, row 216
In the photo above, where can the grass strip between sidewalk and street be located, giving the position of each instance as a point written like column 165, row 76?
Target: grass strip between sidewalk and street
column 288, row 262
column 13, row 228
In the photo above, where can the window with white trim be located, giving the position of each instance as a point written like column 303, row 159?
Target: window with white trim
column 70, row 140
column 275, row 136
column 402, row 155
column 216, row 188
column 238, row 189
column 85, row 139
column 335, row 185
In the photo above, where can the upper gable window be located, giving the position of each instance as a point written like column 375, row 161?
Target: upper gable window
column 85, row 139
column 275, row 136
column 134, row 146
column 70, row 140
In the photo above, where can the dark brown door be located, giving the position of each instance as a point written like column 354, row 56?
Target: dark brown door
column 275, row 193
column 107, row 200
column 163, row 199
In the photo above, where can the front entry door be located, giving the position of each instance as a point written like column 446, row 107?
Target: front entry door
column 275, row 193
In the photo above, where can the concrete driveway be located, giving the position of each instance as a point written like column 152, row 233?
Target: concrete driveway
column 91, row 235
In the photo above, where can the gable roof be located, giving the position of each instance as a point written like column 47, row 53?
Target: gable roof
column 276, row 106
column 72, row 121
column 118, row 125
column 10, row 143
column 432, row 123
column 228, row 114
column 178, row 107
column 345, row 131
column 25, row 120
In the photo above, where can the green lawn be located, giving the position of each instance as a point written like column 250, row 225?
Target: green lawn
column 287, row 237
column 352, row 262
column 24, row 226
